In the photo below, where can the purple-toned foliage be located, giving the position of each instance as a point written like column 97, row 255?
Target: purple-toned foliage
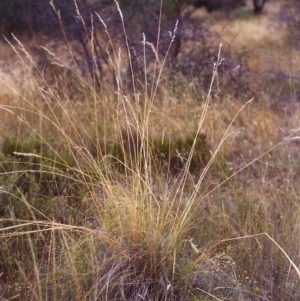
column 192, row 49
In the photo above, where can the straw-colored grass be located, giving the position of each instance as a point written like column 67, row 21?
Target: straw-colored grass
column 143, row 196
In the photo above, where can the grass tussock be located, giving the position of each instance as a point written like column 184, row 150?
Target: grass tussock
column 138, row 195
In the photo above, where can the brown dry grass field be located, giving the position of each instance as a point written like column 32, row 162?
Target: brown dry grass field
column 174, row 192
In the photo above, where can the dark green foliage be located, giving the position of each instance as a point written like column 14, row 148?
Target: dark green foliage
column 11, row 144
column 174, row 154
column 31, row 171
column 244, row 13
column 33, row 188
column 167, row 154
column 35, row 175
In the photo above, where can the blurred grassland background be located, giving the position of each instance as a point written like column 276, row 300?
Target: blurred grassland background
column 137, row 168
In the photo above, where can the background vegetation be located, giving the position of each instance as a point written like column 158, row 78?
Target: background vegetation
column 142, row 161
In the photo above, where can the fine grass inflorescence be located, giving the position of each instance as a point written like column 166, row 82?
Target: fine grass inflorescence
column 112, row 190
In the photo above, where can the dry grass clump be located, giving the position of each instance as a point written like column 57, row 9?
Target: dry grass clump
column 92, row 209
column 114, row 235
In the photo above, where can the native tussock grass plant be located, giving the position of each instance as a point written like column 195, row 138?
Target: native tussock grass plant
column 127, row 243
column 89, row 211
